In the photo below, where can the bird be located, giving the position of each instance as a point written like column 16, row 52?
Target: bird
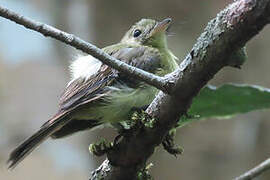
column 98, row 94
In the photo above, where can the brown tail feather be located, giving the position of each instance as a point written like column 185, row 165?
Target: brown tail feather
column 24, row 149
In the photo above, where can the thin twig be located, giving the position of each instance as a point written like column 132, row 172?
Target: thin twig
column 86, row 47
column 256, row 171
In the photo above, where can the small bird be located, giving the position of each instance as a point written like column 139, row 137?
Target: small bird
column 98, row 94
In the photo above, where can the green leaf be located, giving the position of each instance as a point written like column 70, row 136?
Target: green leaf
column 226, row 101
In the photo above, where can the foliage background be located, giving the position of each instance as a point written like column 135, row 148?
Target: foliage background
column 34, row 71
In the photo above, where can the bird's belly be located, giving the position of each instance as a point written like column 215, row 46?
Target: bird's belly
column 118, row 105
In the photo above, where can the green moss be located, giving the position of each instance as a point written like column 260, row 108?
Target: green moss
column 100, row 148
column 144, row 174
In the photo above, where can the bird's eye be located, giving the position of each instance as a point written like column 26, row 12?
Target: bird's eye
column 137, row 33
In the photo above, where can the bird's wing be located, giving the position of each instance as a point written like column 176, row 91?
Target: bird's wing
column 81, row 90
column 89, row 89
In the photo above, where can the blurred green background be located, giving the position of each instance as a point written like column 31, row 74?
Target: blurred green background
column 34, row 71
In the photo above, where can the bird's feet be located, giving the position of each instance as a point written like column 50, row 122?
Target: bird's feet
column 138, row 120
column 143, row 119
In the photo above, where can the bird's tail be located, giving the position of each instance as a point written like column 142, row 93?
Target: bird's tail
column 27, row 146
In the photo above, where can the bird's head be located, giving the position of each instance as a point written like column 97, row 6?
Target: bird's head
column 148, row 32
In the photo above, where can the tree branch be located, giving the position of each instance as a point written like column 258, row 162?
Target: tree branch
column 88, row 48
column 256, row 171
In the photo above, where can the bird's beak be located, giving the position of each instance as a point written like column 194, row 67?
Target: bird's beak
column 161, row 26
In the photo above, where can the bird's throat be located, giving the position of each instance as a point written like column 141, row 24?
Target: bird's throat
column 168, row 62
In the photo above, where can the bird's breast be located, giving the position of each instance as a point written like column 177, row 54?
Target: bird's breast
column 118, row 104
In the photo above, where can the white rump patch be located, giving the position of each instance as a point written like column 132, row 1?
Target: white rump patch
column 84, row 67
